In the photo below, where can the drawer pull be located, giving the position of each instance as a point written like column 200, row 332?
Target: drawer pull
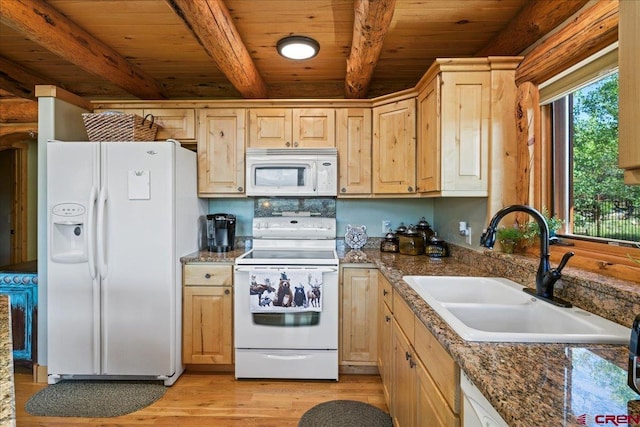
column 226, row 292
column 385, row 292
column 387, row 318
column 412, row 364
column 407, row 355
column 207, row 276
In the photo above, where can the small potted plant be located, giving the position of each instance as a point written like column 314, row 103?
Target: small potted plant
column 509, row 238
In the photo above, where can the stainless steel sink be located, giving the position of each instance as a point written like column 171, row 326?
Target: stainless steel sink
column 496, row 309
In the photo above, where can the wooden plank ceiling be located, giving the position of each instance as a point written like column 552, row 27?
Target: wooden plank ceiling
column 221, row 49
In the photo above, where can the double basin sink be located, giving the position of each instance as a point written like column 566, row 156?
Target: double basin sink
column 496, row 309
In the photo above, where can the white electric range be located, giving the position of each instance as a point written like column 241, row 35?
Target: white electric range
column 286, row 299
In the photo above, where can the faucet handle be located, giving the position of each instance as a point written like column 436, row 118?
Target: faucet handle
column 563, row 261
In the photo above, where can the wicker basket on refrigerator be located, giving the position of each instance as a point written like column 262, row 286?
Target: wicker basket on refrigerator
column 117, row 126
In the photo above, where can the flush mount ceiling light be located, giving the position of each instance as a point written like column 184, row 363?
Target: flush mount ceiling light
column 298, row 47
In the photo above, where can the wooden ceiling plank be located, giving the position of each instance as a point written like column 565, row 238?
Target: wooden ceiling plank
column 49, row 28
column 590, row 31
column 370, row 26
column 20, row 81
column 536, row 19
column 212, row 25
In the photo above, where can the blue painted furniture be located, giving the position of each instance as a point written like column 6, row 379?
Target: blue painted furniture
column 20, row 282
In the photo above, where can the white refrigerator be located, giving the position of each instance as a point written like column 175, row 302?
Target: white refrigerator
column 120, row 216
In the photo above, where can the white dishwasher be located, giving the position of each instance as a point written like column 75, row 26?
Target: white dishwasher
column 477, row 411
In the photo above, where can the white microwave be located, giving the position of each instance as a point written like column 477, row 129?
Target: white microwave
column 292, row 172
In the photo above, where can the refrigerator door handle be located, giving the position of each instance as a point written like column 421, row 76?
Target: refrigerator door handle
column 91, row 231
column 100, row 232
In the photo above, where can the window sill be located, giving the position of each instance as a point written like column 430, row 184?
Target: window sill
column 608, row 260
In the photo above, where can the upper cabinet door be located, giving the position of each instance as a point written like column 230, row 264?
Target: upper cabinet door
column 270, row 128
column 465, row 114
column 394, row 147
column 629, row 91
column 221, row 152
column 353, row 139
column 292, row 128
column 428, row 159
column 314, row 127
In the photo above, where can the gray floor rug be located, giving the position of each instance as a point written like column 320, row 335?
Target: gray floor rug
column 345, row 413
column 93, row 399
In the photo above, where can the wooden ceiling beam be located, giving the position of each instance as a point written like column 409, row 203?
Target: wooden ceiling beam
column 370, row 26
column 19, row 81
column 534, row 20
column 212, row 25
column 44, row 25
column 18, row 110
column 590, row 31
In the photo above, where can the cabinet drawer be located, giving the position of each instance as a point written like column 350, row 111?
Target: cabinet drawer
column 208, row 275
column 442, row 368
column 404, row 315
column 386, row 291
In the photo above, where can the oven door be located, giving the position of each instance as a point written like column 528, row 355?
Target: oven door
column 263, row 322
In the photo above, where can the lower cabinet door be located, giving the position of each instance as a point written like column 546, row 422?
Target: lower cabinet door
column 432, row 409
column 207, row 325
column 403, row 392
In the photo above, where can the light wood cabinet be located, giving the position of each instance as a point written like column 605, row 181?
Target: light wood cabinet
column 221, row 152
column 394, row 148
column 403, row 389
column 385, row 335
column 353, row 140
column 453, row 132
column 423, row 378
column 291, row 128
column 175, row 123
column 359, row 313
column 629, row 91
column 207, row 312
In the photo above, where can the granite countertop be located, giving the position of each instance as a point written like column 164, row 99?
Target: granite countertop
column 529, row 384
column 7, row 392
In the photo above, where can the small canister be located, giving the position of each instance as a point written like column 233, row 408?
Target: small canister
column 411, row 243
column 389, row 243
column 424, row 228
column 436, row 247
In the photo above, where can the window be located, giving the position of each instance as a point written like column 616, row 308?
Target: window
column 576, row 174
column 588, row 188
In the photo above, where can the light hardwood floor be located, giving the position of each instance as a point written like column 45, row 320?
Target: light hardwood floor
column 217, row 399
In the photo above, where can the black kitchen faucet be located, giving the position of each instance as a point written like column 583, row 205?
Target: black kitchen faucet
column 546, row 277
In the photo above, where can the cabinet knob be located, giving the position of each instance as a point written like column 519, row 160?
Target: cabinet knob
column 207, row 276
column 240, row 189
column 295, row 144
column 226, row 291
column 410, row 189
column 343, row 190
column 288, row 144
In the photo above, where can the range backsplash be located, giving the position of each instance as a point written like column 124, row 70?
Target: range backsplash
column 276, row 206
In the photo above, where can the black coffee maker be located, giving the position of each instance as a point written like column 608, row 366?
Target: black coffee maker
column 221, row 232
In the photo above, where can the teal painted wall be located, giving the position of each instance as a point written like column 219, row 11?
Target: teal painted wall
column 369, row 212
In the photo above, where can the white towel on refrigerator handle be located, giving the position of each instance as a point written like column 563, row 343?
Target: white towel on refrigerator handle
column 285, row 290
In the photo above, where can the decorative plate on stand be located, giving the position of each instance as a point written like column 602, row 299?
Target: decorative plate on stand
column 356, row 236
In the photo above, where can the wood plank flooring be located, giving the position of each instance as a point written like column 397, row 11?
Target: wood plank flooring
column 217, row 399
